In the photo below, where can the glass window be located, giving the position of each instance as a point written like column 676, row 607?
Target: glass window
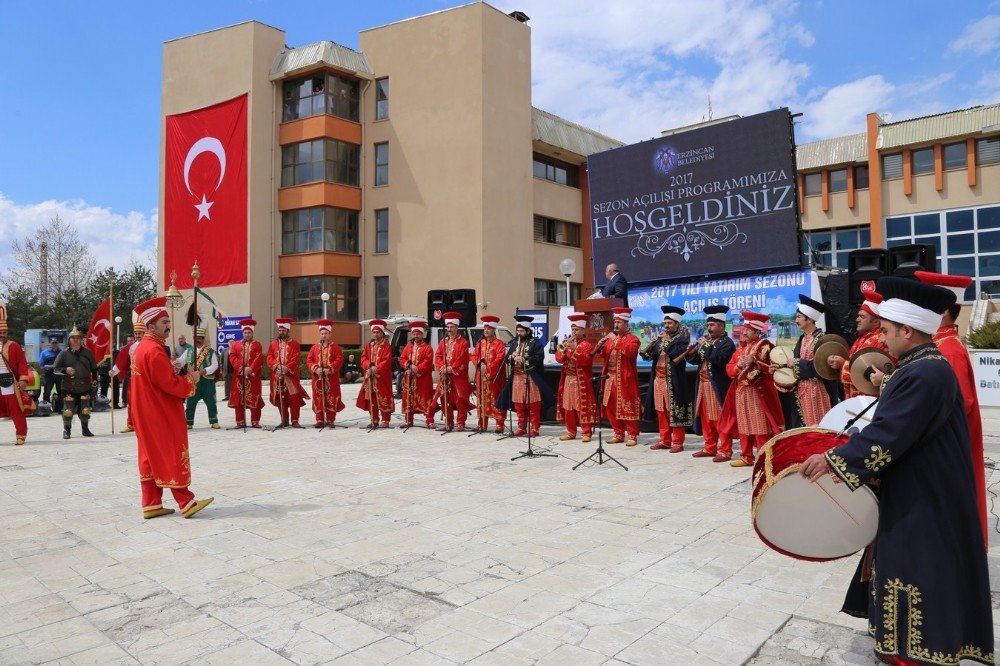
column 892, row 166
column 989, row 242
column 954, row 155
column 923, row 160
column 861, row 177
column 555, row 170
column 932, row 240
column 897, row 227
column 319, row 229
column 320, row 93
column 381, row 163
column 381, row 98
column 989, row 265
column 822, row 241
column 320, row 159
column 814, row 184
column 961, row 244
column 548, row 230
column 989, row 218
column 959, row 220
column 988, row 150
column 382, row 297
column 927, row 224
column 847, row 239
column 382, row 230
column 865, row 237
column 897, row 242
column 553, row 292
column 986, row 286
column 962, row 266
column 838, row 180
column 300, row 298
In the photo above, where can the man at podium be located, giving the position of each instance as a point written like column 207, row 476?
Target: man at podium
column 616, row 286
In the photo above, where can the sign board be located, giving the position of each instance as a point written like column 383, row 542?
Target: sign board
column 229, row 331
column 986, row 369
column 540, row 325
column 718, row 199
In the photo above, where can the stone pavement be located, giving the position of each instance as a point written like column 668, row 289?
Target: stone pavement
column 407, row 548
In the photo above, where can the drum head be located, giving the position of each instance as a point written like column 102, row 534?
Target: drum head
column 816, row 521
column 843, row 412
column 784, row 379
column 821, row 360
column 780, row 355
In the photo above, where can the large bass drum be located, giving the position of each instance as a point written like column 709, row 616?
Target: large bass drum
column 817, row 521
column 847, row 410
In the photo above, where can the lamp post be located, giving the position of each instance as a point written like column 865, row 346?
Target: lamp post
column 567, row 267
column 118, row 333
column 324, row 297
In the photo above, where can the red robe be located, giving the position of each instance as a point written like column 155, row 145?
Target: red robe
column 581, row 364
column 457, row 358
column 620, row 357
column 951, row 347
column 872, row 338
column 755, row 377
column 495, row 374
column 330, row 357
column 123, row 363
column 379, row 356
column 418, row 387
column 289, row 354
column 18, row 365
column 243, row 355
column 156, row 398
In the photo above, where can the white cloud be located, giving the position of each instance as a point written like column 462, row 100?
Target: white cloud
column 980, row 36
column 835, row 112
column 114, row 238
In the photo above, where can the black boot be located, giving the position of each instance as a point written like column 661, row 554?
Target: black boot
column 86, row 430
column 65, row 433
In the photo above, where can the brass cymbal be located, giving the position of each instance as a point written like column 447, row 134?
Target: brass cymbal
column 828, row 337
column 821, row 359
column 869, row 357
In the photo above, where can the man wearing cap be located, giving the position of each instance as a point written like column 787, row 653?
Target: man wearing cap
column 283, row 359
column 491, row 374
column 79, row 368
column 14, row 376
column 46, row 360
column 668, row 399
column 324, row 361
column 156, row 401
column 525, row 390
column 246, row 358
column 205, row 362
column 576, row 405
column 620, row 399
column 809, row 402
column 452, row 363
column 711, row 354
column 376, row 396
column 752, row 409
column 927, row 592
column 869, row 328
column 948, row 341
column 417, row 361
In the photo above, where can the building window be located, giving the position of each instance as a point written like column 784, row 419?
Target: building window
column 381, row 230
column 318, row 160
column 954, row 156
column 382, row 297
column 861, row 178
column 301, row 298
column 381, row 98
column 319, row 229
column 548, row 230
column 553, row 292
column 838, row 180
column 988, row 150
column 814, row 183
column 831, row 248
column 892, row 166
column 923, row 160
column 381, row 163
column 555, row 170
column 318, row 94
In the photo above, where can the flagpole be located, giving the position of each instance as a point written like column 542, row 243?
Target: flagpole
column 111, row 318
column 195, row 274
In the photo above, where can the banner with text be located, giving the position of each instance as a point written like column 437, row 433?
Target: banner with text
column 718, row 199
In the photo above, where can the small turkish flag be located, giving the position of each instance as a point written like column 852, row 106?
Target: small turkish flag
column 205, row 195
column 99, row 332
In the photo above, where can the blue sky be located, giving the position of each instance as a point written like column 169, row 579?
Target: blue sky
column 80, row 94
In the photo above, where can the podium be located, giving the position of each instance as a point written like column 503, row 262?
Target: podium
column 599, row 322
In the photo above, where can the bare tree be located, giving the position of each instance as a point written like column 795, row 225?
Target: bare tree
column 51, row 262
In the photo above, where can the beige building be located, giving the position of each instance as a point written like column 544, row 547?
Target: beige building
column 415, row 163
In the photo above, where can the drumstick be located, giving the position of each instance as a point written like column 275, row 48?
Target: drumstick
column 834, row 500
column 850, row 413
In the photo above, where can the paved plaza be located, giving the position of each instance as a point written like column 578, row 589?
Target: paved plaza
column 352, row 547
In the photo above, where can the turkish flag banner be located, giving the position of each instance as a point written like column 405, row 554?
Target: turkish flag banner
column 205, row 195
column 99, row 332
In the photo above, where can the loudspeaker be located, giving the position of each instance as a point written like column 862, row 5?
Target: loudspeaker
column 462, row 301
column 840, row 316
column 905, row 260
column 437, row 305
column 862, row 265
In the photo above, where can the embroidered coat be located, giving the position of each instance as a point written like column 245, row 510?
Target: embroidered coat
column 620, row 357
column 535, row 359
column 16, row 362
column 930, row 592
column 457, row 358
column 754, row 377
column 681, row 399
column 330, row 357
column 250, row 355
column 821, row 393
column 495, row 373
column 418, row 389
column 287, row 353
column 580, row 364
column 715, row 355
column 379, row 356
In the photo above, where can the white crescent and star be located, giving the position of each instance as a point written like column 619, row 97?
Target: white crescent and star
column 208, row 144
column 107, row 327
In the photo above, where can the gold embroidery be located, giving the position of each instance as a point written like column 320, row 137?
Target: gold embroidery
column 878, row 459
column 839, row 466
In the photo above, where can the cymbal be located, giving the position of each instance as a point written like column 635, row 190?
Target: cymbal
column 821, row 359
column 828, row 337
column 869, row 357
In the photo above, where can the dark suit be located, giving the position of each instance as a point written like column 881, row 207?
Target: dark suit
column 617, row 287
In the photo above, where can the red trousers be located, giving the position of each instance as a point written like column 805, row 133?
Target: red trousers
column 385, row 419
column 16, row 415
column 572, row 419
column 715, row 442
column 620, row 427
column 751, row 443
column 449, row 417
column 329, row 417
column 152, row 496
column 669, row 435
column 241, row 416
column 535, row 409
column 293, row 409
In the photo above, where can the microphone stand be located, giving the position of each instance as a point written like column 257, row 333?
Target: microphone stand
column 601, row 455
column 510, row 412
column 530, row 453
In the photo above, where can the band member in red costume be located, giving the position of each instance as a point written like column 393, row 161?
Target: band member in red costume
column 620, row 401
column 324, row 361
column 283, row 358
column 869, row 335
column 576, row 405
column 491, row 374
column 452, row 363
column 417, row 362
column 375, row 396
column 246, row 358
column 14, row 376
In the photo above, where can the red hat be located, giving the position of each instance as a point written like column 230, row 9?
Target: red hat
column 153, row 309
column 378, row 324
column 872, row 297
column 756, row 320
column 451, row 318
column 248, row 323
column 284, row 322
column 622, row 313
column 578, row 319
column 418, row 325
column 956, row 283
column 490, row 320
column 325, row 325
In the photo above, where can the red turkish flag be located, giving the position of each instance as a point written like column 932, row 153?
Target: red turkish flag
column 205, row 197
column 99, row 332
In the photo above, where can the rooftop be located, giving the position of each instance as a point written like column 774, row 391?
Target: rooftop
column 561, row 133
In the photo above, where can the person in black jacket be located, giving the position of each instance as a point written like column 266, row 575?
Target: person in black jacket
column 525, row 390
column 668, row 400
column 79, row 382
column 616, row 286
column 711, row 353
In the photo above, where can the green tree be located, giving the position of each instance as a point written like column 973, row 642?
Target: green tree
column 133, row 285
column 23, row 312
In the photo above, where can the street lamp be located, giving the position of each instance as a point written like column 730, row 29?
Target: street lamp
column 118, row 333
column 567, row 267
column 325, row 297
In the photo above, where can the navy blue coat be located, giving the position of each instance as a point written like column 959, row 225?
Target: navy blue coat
column 717, row 353
column 535, row 360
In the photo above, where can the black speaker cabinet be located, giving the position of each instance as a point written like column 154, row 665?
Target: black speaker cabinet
column 862, row 265
column 905, row 260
